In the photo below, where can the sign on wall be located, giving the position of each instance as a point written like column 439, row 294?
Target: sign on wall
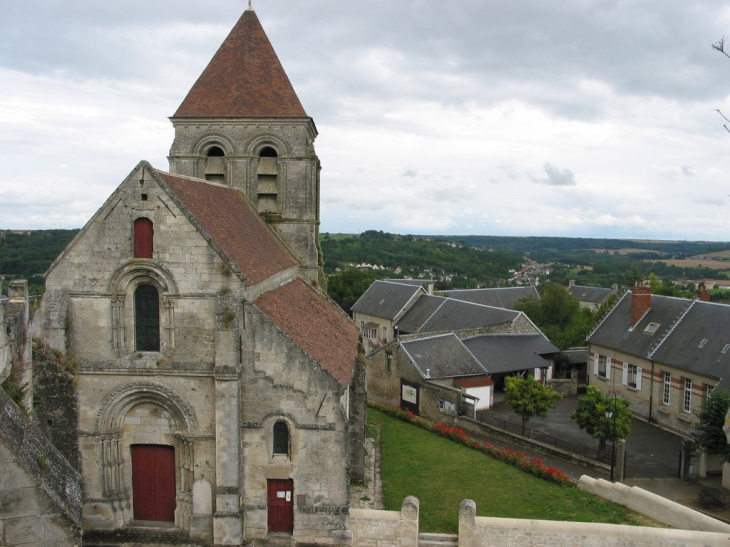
column 447, row 407
column 409, row 394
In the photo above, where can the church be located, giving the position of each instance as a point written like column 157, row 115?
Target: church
column 219, row 389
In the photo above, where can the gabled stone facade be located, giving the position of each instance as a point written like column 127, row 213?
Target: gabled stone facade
column 218, row 387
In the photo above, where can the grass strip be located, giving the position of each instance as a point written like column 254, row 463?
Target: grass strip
column 441, row 473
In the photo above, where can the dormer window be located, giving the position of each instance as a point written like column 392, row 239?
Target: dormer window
column 651, row 328
column 725, row 348
column 702, row 344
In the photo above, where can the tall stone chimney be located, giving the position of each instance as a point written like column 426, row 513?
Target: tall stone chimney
column 640, row 302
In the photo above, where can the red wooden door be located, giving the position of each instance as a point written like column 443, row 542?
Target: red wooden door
column 153, row 482
column 281, row 505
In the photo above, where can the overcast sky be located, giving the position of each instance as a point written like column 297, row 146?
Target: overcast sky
column 582, row 118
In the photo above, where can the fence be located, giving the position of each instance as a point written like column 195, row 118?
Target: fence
column 607, row 456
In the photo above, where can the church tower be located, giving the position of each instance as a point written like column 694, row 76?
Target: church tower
column 242, row 125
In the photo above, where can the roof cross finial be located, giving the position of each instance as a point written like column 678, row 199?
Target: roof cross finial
column 249, row 5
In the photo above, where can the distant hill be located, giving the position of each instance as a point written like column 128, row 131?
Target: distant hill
column 30, row 252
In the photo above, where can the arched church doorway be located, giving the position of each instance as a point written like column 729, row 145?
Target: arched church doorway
column 153, row 482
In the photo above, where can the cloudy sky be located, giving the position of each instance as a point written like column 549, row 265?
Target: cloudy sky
column 582, row 118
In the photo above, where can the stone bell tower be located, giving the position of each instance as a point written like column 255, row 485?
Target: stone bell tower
column 242, row 125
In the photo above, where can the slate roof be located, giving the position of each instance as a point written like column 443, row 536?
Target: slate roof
column 706, row 321
column 244, row 79
column 503, row 297
column 451, row 315
column 418, row 313
column 576, row 356
column 615, row 330
column 441, row 356
column 315, row 325
column 228, row 219
column 502, row 353
column 385, row 299
column 589, row 294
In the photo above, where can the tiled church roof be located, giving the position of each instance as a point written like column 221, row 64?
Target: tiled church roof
column 314, row 323
column 229, row 219
column 243, row 80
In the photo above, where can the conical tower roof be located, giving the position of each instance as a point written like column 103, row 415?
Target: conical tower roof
column 243, row 80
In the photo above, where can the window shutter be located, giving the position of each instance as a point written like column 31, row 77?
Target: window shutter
column 595, row 364
column 537, row 374
column 609, row 364
column 549, row 375
column 638, row 378
column 144, row 233
column 625, row 378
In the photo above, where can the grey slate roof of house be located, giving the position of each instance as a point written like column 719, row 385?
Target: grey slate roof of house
column 442, row 356
column 503, row 297
column 589, row 294
column 502, row 353
column 385, row 299
column 448, row 314
column 418, row 282
column 576, row 355
column 616, row 332
column 703, row 321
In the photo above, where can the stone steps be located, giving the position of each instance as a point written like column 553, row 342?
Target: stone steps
column 147, row 536
column 438, row 540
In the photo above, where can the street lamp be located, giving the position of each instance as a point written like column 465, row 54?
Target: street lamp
column 611, row 413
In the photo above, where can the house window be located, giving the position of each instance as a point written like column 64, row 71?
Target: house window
column 385, row 334
column 370, row 333
column 667, row 388
column 144, row 233
column 281, row 439
column 147, row 318
column 632, row 376
column 687, row 403
column 602, row 366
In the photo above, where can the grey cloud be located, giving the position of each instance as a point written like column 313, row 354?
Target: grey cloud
column 558, row 177
column 409, row 172
column 689, row 171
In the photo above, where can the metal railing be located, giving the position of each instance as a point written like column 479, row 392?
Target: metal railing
column 605, row 456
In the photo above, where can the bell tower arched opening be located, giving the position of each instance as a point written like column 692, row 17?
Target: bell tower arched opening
column 215, row 165
column 267, row 190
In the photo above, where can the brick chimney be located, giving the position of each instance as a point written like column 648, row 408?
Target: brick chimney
column 703, row 293
column 640, row 302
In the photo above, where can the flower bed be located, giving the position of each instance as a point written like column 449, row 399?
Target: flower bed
column 520, row 460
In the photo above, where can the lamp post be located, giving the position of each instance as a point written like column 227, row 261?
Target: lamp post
column 611, row 413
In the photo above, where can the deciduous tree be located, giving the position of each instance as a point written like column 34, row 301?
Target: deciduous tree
column 710, row 436
column 528, row 397
column 590, row 414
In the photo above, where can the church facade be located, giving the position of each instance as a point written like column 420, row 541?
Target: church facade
column 219, row 387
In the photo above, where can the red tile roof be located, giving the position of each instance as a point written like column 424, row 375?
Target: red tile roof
column 475, row 381
column 315, row 324
column 243, row 80
column 231, row 222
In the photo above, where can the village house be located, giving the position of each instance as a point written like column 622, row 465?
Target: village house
column 591, row 297
column 663, row 354
column 218, row 387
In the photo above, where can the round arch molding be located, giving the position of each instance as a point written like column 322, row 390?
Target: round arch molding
column 124, row 276
column 256, row 145
column 119, row 402
column 213, row 139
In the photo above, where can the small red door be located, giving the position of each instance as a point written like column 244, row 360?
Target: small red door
column 153, row 482
column 281, row 505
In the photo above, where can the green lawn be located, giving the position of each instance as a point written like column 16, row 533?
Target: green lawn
column 441, row 473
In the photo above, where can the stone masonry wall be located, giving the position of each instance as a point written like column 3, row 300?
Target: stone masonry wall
column 371, row 528
column 40, row 493
column 485, row 532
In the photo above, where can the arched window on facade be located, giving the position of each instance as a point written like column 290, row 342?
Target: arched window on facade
column 147, row 318
column 144, row 235
column 215, row 167
column 281, row 439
